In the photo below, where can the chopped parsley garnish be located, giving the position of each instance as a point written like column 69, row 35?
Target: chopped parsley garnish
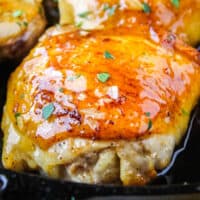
column 108, row 55
column 184, row 112
column 84, row 14
column 17, row 13
column 47, row 110
column 149, row 125
column 61, row 90
column 176, row 3
column 79, row 24
column 25, row 23
column 22, row 23
column 111, row 10
column 18, row 23
column 17, row 114
column 146, row 8
column 73, row 77
column 148, row 114
column 103, row 77
column 105, row 6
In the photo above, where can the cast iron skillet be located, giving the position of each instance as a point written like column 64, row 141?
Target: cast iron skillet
column 179, row 181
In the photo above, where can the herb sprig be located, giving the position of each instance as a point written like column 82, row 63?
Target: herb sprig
column 47, row 110
column 103, row 77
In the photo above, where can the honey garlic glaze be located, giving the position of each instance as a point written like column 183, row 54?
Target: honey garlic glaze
column 103, row 86
column 179, row 17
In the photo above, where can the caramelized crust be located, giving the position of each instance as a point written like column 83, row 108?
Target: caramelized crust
column 56, row 93
column 106, row 106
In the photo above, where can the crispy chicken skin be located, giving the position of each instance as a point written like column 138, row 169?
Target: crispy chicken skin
column 102, row 107
column 182, row 18
column 21, row 24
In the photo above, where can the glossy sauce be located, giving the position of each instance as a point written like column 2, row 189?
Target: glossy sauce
column 181, row 18
column 144, row 94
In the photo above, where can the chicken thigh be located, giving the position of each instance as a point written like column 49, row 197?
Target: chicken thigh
column 179, row 17
column 100, row 107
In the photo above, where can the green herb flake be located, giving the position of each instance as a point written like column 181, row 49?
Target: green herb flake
column 184, row 112
column 84, row 14
column 79, row 24
column 149, row 125
column 74, row 77
column 47, row 110
column 61, row 90
column 106, row 6
column 103, row 77
column 108, row 55
column 17, row 114
column 17, row 13
column 148, row 114
column 19, row 23
column 146, row 8
column 175, row 3
column 25, row 24
column 111, row 10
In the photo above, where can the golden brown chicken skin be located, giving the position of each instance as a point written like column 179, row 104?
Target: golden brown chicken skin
column 179, row 17
column 21, row 24
column 104, row 107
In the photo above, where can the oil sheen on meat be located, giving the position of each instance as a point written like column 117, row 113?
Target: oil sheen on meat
column 179, row 17
column 100, row 107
